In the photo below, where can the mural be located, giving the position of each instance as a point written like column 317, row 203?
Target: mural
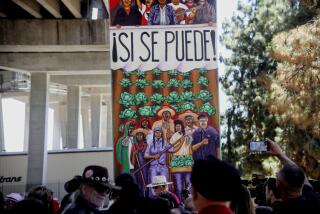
column 165, row 88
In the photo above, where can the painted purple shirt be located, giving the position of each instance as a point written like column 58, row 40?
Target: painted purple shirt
column 156, row 147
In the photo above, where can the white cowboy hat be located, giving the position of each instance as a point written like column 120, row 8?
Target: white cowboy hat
column 187, row 113
column 166, row 108
column 140, row 130
column 159, row 180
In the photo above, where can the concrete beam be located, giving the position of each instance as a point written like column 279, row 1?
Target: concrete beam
column 53, row 48
column 74, row 6
column 31, row 6
column 83, row 80
column 53, row 6
column 98, row 90
column 57, row 63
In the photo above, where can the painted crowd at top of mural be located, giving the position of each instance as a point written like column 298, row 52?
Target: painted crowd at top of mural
column 162, row 12
column 168, row 147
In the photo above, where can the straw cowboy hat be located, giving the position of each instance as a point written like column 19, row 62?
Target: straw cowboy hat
column 159, row 180
column 187, row 113
column 140, row 130
column 166, row 108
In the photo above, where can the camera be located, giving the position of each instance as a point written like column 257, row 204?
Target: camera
column 259, row 146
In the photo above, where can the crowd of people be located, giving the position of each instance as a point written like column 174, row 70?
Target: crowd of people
column 216, row 189
column 163, row 12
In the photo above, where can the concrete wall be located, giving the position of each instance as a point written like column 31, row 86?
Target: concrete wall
column 62, row 166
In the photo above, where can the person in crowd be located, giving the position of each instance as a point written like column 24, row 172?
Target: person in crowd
column 33, row 206
column 205, row 13
column 137, row 158
column 156, row 151
column 272, row 193
column 144, row 10
column 92, row 192
column 296, row 193
column 243, row 203
column 166, row 113
column 208, row 136
column 159, row 185
column 11, row 199
column 127, row 15
column 123, row 146
column 1, row 202
column 162, row 14
column 128, row 199
column 182, row 12
column 44, row 195
column 146, row 124
column 70, row 187
column 189, row 118
column 214, row 184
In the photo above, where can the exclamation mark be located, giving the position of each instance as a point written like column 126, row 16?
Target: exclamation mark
column 213, row 40
column 114, row 49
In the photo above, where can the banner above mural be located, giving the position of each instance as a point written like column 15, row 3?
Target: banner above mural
column 163, row 47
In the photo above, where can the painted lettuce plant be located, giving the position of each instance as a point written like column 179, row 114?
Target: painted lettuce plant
column 157, row 98
column 186, row 84
column 158, row 84
column 204, row 81
column 188, row 106
column 126, row 99
column 204, row 95
column 173, row 97
column 187, row 96
column 128, row 114
column 141, row 83
column 141, row 74
column 173, row 83
column 173, row 73
column 145, row 111
column 156, row 71
column 208, row 108
column 125, row 82
column 141, row 98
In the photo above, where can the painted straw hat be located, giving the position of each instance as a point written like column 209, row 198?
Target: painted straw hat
column 140, row 130
column 166, row 108
column 187, row 113
column 159, row 180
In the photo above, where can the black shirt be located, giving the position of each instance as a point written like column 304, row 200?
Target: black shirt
column 123, row 19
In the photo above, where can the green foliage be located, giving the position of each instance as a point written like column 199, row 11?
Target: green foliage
column 173, row 97
column 185, row 74
column 156, row 71
column 188, row 106
column 158, row 84
column 186, row 83
column 208, row 108
column 176, row 107
column 204, row 95
column 155, row 108
column 125, row 82
column 173, row 73
column 128, row 114
column 126, row 99
column 141, row 83
column 127, row 73
column 141, row 74
column 146, row 111
column 204, row 81
column 203, row 71
column 157, row 98
column 173, row 83
column 141, row 98
column 187, row 96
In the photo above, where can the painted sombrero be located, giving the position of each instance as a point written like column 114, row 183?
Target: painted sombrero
column 140, row 130
column 166, row 108
column 183, row 115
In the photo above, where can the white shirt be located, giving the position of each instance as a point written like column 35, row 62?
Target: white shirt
column 183, row 6
column 163, row 15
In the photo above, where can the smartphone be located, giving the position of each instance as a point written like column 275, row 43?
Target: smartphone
column 259, row 146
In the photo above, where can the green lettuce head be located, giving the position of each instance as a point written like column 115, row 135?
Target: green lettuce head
column 203, row 71
column 187, row 96
column 156, row 71
column 173, row 97
column 158, row 84
column 173, row 83
column 185, row 74
column 203, row 81
column 204, row 95
column 141, row 83
column 141, row 98
column 141, row 74
column 155, row 109
column 186, row 83
column 157, row 98
column 126, row 99
column 176, row 107
column 188, row 106
column 173, row 72
column 128, row 114
column 208, row 108
column 145, row 111
column 127, row 73
column 125, row 82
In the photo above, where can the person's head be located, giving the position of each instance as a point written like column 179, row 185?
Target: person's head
column 159, row 184
column 175, row 2
column 95, row 185
column 203, row 121
column 140, row 134
column 145, row 123
column 166, row 115
column 243, row 203
column 157, row 131
column 126, row 3
column 189, row 120
column 214, row 180
column 166, row 112
column 41, row 193
column 179, row 127
column 33, row 206
column 290, row 180
column 272, row 192
column 129, row 192
column 131, row 128
column 11, row 199
column 149, row 2
column 162, row 2
column 202, row 2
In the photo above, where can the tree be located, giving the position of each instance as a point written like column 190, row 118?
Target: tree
column 248, row 36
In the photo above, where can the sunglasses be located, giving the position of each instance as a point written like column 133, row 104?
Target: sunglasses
column 100, row 188
column 157, row 187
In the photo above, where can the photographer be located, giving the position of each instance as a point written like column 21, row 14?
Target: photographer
column 296, row 192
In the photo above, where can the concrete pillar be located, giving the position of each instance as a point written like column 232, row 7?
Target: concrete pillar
column 26, row 126
column 2, row 147
column 56, row 127
column 38, row 125
column 103, row 138
column 86, row 126
column 63, row 127
column 73, row 116
column 95, row 119
column 109, row 119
